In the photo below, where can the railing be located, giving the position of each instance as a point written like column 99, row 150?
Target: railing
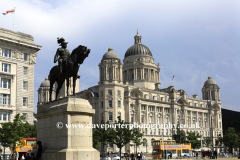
column 6, row 106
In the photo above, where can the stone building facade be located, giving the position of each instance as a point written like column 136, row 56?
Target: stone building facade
column 17, row 60
column 132, row 90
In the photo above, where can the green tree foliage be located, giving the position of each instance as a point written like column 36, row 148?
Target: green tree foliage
column 137, row 137
column 193, row 139
column 121, row 135
column 102, row 135
column 30, row 130
column 180, row 136
column 11, row 132
column 219, row 140
column 230, row 139
column 207, row 141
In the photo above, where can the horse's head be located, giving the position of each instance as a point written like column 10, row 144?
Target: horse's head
column 84, row 52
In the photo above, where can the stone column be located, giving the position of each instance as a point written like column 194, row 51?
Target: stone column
column 147, row 121
column 127, row 75
column 120, row 73
column 163, row 117
column 143, row 74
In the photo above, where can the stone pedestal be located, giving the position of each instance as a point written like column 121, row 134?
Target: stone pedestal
column 61, row 142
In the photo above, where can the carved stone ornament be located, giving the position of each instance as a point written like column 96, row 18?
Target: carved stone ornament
column 17, row 54
column 33, row 58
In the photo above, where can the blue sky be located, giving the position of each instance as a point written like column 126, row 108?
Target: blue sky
column 189, row 39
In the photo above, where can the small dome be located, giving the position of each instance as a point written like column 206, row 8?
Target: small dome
column 110, row 54
column 45, row 83
column 210, row 81
column 138, row 48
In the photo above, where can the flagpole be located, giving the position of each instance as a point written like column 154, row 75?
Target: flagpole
column 14, row 21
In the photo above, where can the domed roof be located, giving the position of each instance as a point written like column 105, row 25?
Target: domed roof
column 110, row 54
column 210, row 81
column 138, row 48
column 45, row 83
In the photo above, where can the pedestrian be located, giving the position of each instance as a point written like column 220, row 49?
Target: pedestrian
column 132, row 156
column 226, row 153
column 109, row 158
column 210, row 154
column 170, row 154
column 141, row 156
column 39, row 150
column 23, row 157
column 203, row 154
column 197, row 155
column 215, row 154
column 138, row 156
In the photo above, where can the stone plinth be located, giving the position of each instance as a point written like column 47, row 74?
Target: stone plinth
column 61, row 142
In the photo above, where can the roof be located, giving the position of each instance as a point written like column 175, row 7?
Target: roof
column 110, row 54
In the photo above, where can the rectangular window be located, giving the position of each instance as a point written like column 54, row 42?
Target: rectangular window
column 25, row 70
column 166, row 120
column 119, row 93
column 6, row 67
column 110, row 116
column 205, row 123
column 145, row 131
column 109, row 92
column 150, row 119
column 219, row 115
column 25, row 85
column 158, row 120
column 25, row 56
column 131, row 117
column 142, row 107
column 142, row 118
column 5, row 83
column 101, row 93
column 220, row 125
column 162, row 131
column 119, row 114
column 24, row 101
column 166, row 131
column 5, row 116
column 5, row 99
column 119, row 104
column 110, row 103
column 159, row 131
column 154, row 131
column 101, row 104
column 150, row 131
column 102, row 115
column 24, row 115
column 6, row 53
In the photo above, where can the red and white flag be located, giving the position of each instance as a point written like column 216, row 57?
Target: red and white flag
column 173, row 77
column 10, row 11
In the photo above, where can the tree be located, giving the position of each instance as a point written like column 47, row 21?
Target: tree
column 230, row 139
column 121, row 135
column 219, row 140
column 207, row 141
column 180, row 136
column 193, row 139
column 30, row 130
column 5, row 136
column 137, row 137
column 102, row 135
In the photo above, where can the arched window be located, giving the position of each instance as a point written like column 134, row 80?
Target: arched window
column 150, row 96
column 144, row 142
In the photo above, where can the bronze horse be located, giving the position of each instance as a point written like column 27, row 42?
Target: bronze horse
column 70, row 69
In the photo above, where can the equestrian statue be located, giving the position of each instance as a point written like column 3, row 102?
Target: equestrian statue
column 68, row 66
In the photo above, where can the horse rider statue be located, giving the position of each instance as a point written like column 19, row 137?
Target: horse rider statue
column 63, row 54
